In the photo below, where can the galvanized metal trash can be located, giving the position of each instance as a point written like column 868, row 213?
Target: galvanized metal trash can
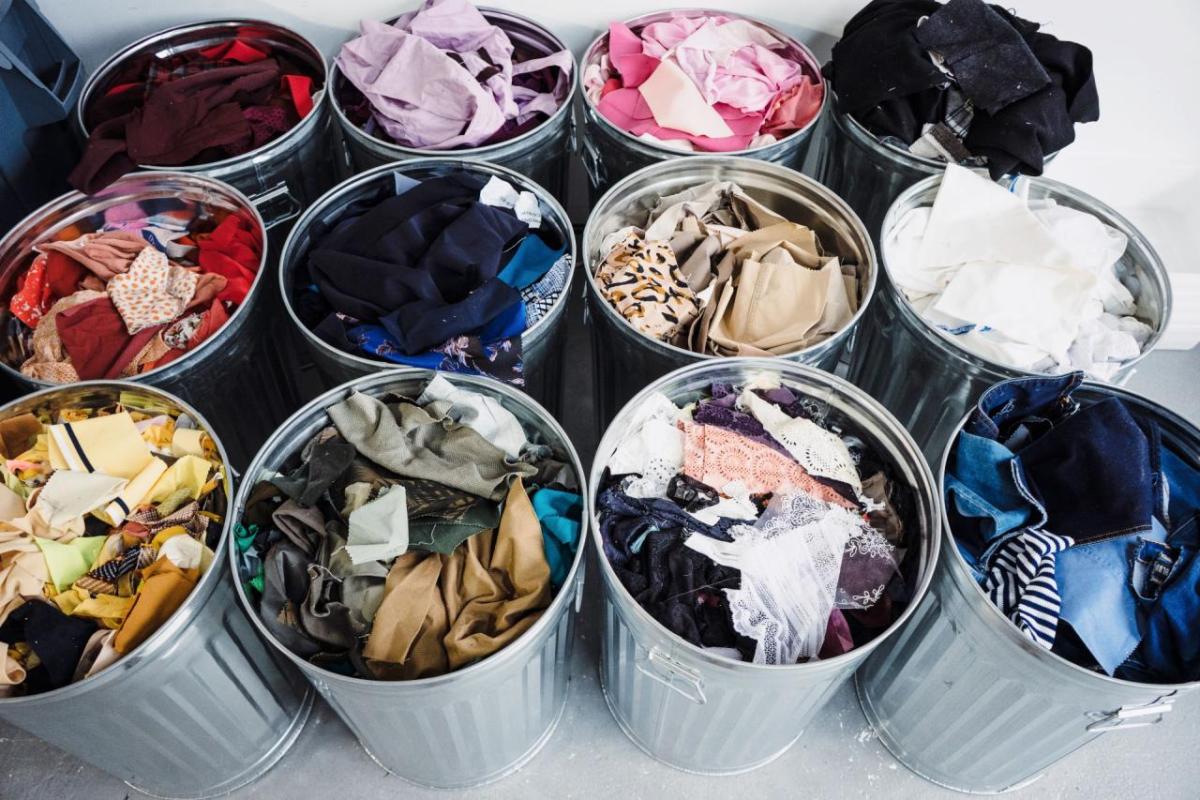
column 922, row 375
column 543, row 154
column 626, row 359
column 282, row 176
column 609, row 153
column 867, row 173
column 203, row 706
column 703, row 713
column 484, row 721
column 962, row 698
column 234, row 376
column 541, row 344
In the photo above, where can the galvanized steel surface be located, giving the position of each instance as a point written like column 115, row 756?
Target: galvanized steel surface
column 234, row 376
column 588, row 756
column 704, row 713
column 610, row 153
column 481, row 722
column 202, row 707
column 923, row 376
column 542, row 154
column 626, row 359
column 541, row 343
column 284, row 175
column 964, row 699
column 868, row 174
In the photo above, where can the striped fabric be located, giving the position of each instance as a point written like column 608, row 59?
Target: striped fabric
column 1020, row 582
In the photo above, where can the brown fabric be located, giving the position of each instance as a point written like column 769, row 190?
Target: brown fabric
column 441, row 613
column 163, row 590
column 17, row 434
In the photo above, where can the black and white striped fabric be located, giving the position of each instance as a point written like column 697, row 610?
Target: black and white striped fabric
column 1020, row 582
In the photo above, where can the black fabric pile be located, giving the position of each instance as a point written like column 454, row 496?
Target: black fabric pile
column 971, row 82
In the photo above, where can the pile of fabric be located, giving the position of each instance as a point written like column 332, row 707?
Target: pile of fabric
column 179, row 107
column 444, row 78
column 1028, row 283
column 704, row 82
column 713, row 270
column 963, row 82
column 130, row 289
column 108, row 517
column 412, row 537
column 444, row 274
column 751, row 524
column 1080, row 518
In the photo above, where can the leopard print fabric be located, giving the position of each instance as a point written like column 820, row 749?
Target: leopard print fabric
column 642, row 281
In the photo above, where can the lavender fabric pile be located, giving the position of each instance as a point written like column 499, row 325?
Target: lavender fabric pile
column 444, row 78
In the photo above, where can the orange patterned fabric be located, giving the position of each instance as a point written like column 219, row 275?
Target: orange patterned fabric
column 153, row 292
column 717, row 456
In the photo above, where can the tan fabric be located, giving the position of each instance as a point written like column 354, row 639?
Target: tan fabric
column 17, row 434
column 757, row 284
column 441, row 613
column 105, row 254
column 11, row 671
column 23, row 571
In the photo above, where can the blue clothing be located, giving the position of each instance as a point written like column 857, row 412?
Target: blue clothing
column 560, row 514
column 532, row 259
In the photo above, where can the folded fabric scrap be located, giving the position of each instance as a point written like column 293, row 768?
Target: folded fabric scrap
column 104, row 532
column 713, row 270
column 963, row 82
column 445, row 274
column 1081, row 522
column 1030, row 283
column 743, row 524
column 443, row 77
column 137, row 293
column 181, row 106
column 412, row 536
column 705, row 82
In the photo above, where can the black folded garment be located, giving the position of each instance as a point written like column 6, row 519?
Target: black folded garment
column 977, row 72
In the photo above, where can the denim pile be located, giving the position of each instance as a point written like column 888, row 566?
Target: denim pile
column 1080, row 516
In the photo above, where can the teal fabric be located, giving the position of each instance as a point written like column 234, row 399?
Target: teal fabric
column 560, row 515
column 532, row 259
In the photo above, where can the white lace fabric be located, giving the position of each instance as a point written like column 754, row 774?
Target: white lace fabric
column 819, row 451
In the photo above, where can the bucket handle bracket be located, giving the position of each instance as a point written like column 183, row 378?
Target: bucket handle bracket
column 659, row 666
column 279, row 195
column 1128, row 717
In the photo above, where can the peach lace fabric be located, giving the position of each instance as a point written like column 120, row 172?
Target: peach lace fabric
column 718, row 457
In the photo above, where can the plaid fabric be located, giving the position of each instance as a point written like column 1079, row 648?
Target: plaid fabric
column 541, row 296
column 103, row 579
column 188, row 516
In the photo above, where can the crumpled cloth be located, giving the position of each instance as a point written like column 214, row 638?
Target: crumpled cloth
column 963, row 81
column 443, row 77
column 704, row 82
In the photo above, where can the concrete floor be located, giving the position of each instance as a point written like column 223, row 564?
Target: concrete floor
column 838, row 757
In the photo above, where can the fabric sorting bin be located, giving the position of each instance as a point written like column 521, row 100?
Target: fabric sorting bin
column 544, row 154
column 708, row 714
column 203, row 706
column 40, row 79
column 923, row 377
column 284, row 175
column 627, row 359
column 961, row 697
column 609, row 153
column 867, row 173
column 231, row 376
column 541, row 343
column 479, row 723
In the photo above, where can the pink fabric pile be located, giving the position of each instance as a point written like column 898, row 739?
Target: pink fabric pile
column 707, row 83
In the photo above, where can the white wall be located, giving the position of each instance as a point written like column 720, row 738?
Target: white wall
column 1142, row 157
